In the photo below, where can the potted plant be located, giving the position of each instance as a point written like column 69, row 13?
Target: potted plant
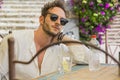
column 94, row 16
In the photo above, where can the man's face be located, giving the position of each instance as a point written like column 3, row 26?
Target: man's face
column 54, row 21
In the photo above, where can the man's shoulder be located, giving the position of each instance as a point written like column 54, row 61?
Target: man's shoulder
column 22, row 32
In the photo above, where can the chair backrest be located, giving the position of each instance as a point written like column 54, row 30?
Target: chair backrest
column 11, row 58
column 1, row 38
column 12, row 61
column 112, row 42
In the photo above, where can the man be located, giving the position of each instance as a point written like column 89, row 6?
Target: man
column 28, row 42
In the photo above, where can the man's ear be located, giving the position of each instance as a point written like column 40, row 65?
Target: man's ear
column 41, row 19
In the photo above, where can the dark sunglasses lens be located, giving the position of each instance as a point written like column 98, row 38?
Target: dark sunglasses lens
column 54, row 17
column 63, row 21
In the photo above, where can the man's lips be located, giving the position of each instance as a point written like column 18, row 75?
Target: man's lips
column 56, row 27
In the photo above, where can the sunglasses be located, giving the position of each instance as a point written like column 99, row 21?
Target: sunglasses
column 54, row 17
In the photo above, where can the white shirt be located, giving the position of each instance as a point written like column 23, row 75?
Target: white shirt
column 25, row 49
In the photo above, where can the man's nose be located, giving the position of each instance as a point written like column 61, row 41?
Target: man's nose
column 58, row 21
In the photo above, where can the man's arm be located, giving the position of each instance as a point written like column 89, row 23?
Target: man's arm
column 63, row 37
column 79, row 52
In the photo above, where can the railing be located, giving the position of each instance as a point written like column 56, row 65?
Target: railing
column 12, row 62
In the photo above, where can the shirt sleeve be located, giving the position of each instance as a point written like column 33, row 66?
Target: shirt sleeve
column 80, row 53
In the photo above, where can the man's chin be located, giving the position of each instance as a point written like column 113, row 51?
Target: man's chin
column 53, row 34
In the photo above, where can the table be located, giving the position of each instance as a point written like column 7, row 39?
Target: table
column 81, row 72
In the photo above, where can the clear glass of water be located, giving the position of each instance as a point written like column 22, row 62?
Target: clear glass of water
column 67, row 64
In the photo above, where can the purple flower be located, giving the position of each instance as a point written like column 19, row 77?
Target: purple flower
column 118, row 8
column 100, row 38
column 83, row 19
column 86, row 18
column 91, row 3
column 101, row 5
column 80, row 27
column 83, row 10
column 108, row 26
column 111, row 8
column 71, row 2
column 83, row 31
column 102, row 13
column 1, row 2
column 107, row 5
column 99, row 28
column 112, row 18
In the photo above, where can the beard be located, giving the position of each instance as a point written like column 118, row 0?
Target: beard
column 46, row 29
